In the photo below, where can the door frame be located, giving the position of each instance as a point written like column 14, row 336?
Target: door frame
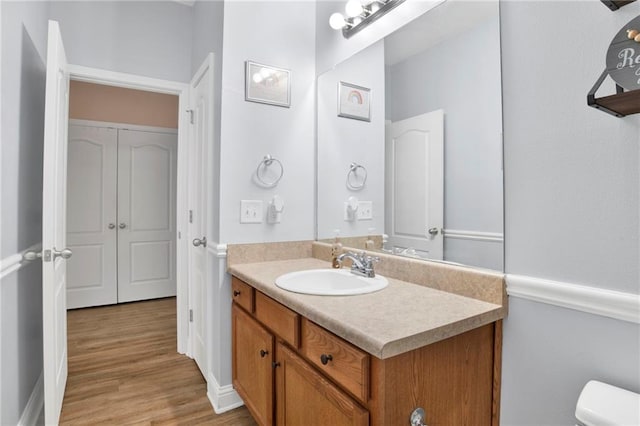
column 149, row 84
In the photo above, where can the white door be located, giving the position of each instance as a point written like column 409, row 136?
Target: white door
column 415, row 184
column 54, row 255
column 91, row 216
column 200, row 185
column 146, row 215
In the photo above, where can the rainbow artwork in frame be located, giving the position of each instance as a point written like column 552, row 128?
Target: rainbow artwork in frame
column 354, row 101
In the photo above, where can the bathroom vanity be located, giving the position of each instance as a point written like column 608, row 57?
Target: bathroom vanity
column 362, row 360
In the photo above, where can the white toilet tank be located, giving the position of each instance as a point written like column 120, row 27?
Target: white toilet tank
column 601, row 404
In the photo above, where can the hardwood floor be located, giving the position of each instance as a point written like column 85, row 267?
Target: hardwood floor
column 124, row 369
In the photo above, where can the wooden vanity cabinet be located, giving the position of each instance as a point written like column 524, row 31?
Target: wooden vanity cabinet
column 264, row 377
column 252, row 370
column 304, row 397
column 290, row 371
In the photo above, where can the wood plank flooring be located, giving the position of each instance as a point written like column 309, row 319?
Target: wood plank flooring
column 124, row 370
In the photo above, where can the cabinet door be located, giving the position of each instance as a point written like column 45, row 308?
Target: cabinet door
column 252, row 365
column 304, row 397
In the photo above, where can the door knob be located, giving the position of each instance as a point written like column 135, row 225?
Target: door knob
column 418, row 417
column 112, row 226
column 122, row 225
column 31, row 255
column 197, row 242
column 433, row 231
column 64, row 253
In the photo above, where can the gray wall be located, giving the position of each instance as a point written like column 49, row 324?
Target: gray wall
column 150, row 38
column 550, row 353
column 572, row 194
column 462, row 76
column 24, row 36
column 572, row 183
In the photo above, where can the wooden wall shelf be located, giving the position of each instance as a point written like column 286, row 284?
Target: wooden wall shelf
column 620, row 105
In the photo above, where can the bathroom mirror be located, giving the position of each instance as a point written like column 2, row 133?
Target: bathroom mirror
column 430, row 183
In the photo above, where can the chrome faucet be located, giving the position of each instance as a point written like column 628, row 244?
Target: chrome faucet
column 361, row 264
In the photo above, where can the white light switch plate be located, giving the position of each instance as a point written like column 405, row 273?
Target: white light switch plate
column 251, row 211
column 365, row 210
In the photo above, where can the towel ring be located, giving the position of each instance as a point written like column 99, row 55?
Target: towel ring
column 267, row 161
column 353, row 184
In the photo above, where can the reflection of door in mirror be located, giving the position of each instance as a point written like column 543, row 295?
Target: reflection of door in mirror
column 414, row 185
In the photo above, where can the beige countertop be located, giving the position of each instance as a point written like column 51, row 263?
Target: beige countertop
column 397, row 319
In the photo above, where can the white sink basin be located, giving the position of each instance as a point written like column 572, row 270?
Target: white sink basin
column 330, row 282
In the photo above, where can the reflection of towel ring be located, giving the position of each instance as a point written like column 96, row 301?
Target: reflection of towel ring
column 353, row 172
column 266, row 162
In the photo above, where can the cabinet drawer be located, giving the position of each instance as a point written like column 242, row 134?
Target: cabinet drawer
column 340, row 360
column 305, row 397
column 242, row 294
column 280, row 319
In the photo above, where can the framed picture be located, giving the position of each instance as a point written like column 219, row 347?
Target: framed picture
column 267, row 85
column 354, row 101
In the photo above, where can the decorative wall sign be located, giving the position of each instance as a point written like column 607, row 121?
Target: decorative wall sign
column 354, row 101
column 616, row 4
column 623, row 56
column 267, row 85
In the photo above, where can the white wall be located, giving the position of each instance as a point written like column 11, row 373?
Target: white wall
column 342, row 141
column 572, row 192
column 462, row 76
column 150, row 38
column 281, row 34
column 24, row 36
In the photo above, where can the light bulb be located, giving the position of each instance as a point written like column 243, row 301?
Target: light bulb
column 336, row 21
column 353, row 8
column 266, row 73
column 374, row 7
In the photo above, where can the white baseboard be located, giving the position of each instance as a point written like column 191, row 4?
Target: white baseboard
column 34, row 406
column 222, row 398
column 607, row 303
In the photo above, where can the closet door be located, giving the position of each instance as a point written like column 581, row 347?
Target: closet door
column 91, row 216
column 146, row 215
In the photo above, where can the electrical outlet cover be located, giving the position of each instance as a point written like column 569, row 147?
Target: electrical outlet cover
column 251, row 211
column 365, row 210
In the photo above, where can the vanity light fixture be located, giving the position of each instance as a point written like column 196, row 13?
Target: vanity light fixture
column 359, row 14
